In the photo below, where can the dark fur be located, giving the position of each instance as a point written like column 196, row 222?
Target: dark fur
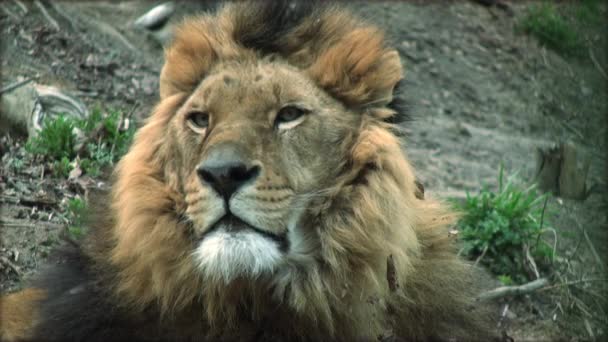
column 278, row 18
column 77, row 308
column 400, row 105
column 79, row 305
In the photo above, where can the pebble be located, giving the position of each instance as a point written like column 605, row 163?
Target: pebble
column 464, row 131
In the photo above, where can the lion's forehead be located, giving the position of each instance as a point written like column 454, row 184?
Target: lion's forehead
column 248, row 90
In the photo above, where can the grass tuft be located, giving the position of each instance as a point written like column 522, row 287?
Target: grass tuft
column 103, row 144
column 566, row 27
column 55, row 140
column 499, row 229
column 75, row 212
column 544, row 22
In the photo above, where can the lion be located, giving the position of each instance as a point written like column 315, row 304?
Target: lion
column 267, row 197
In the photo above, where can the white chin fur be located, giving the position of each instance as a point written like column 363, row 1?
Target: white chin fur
column 224, row 256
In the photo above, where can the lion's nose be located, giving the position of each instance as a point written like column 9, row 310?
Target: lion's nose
column 226, row 169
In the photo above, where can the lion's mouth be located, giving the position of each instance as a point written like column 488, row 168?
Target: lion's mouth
column 233, row 224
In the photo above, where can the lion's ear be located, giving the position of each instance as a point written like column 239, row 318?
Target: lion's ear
column 358, row 69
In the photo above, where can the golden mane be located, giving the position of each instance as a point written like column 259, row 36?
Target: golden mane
column 345, row 57
column 360, row 222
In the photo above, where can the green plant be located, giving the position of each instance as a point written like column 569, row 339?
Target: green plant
column 589, row 12
column 505, row 280
column 76, row 213
column 502, row 230
column 91, row 167
column 55, row 140
column 552, row 29
column 16, row 164
column 63, row 167
column 104, row 142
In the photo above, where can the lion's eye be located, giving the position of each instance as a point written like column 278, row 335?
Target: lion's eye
column 198, row 119
column 289, row 114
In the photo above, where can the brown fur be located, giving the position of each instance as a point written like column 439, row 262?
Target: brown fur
column 18, row 314
column 343, row 169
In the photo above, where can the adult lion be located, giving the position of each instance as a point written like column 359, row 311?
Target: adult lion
column 266, row 198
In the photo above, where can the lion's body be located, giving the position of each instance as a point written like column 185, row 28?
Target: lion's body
column 329, row 198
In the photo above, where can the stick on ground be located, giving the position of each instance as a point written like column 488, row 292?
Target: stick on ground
column 15, row 85
column 46, row 14
column 504, row 291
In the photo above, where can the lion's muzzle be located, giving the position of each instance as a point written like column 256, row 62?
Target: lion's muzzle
column 226, row 168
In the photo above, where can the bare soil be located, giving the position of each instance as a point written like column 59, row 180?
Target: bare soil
column 481, row 95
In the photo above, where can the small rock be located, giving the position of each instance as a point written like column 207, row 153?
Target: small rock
column 511, row 315
column 149, row 85
column 462, row 130
column 75, row 173
column 91, row 60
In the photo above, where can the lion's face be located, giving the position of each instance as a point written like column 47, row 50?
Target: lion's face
column 257, row 141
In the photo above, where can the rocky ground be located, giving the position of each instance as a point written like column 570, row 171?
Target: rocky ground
column 481, row 95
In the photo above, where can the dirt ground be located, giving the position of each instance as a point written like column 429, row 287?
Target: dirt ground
column 481, row 95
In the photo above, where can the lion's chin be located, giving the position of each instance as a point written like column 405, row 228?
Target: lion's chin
column 225, row 254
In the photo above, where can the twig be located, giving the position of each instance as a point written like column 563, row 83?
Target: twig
column 131, row 112
column 573, row 130
column 596, row 256
column 19, row 224
column 120, row 124
column 542, row 216
column 57, row 7
column 504, row 291
column 597, row 64
column 589, row 329
column 21, row 5
column 543, row 53
column 554, row 244
column 581, row 306
column 531, row 262
column 593, row 251
column 29, row 200
column 16, row 85
column 578, row 244
column 15, row 268
column 574, row 282
column 505, row 309
column 540, row 228
column 116, row 132
column 570, row 72
column 483, row 253
column 46, row 14
column 10, row 13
